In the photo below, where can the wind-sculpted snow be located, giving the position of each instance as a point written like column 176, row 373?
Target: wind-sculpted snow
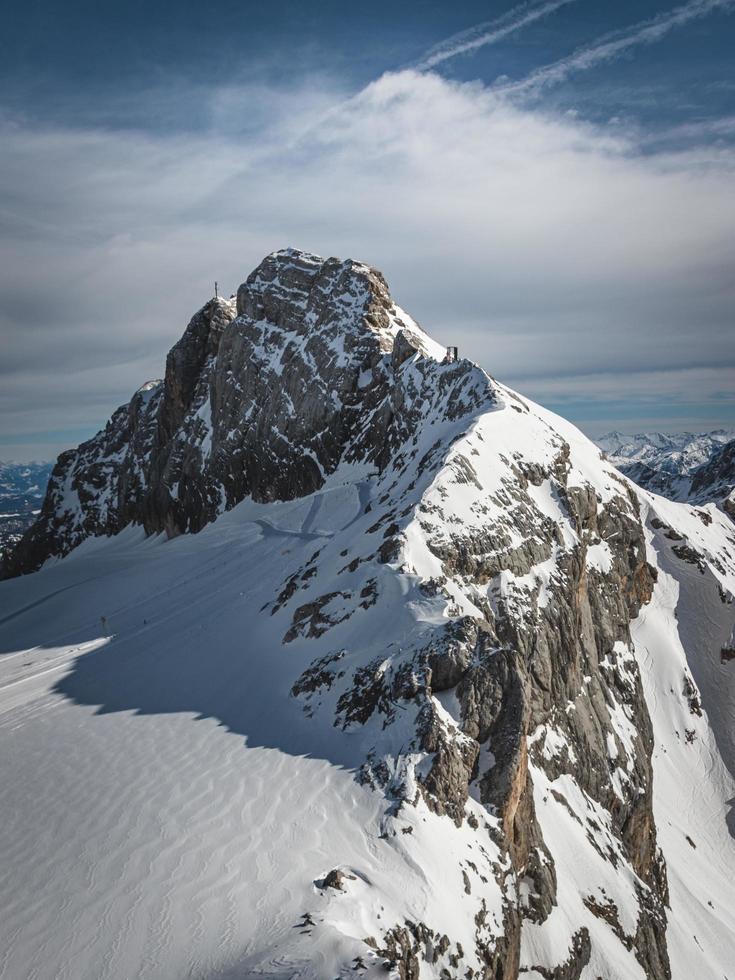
column 422, row 698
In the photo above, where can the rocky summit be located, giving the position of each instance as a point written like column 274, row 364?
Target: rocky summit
column 264, row 396
column 479, row 679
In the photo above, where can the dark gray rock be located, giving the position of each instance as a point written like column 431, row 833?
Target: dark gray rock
column 263, row 398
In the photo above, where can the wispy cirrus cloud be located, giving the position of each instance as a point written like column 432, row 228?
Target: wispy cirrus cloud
column 489, row 32
column 615, row 45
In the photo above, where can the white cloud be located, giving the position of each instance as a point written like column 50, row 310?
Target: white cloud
column 544, row 247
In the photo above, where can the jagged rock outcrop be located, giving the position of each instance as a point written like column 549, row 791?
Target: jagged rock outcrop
column 715, row 480
column 541, row 676
column 262, row 397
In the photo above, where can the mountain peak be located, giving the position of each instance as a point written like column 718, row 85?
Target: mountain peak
column 307, row 294
column 265, row 395
column 441, row 606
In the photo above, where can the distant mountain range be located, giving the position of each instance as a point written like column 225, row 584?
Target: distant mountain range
column 22, row 489
column 683, row 466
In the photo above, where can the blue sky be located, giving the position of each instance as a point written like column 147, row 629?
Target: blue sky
column 547, row 184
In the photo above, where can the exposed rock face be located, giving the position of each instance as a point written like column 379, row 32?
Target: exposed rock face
column 95, row 489
column 543, row 680
column 715, row 480
column 262, row 397
column 511, row 704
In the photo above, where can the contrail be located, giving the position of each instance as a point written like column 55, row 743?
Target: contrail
column 487, row 33
column 475, row 37
column 606, row 48
column 611, row 46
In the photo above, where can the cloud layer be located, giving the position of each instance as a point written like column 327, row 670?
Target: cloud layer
column 555, row 254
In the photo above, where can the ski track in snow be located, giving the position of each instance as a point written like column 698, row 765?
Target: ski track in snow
column 180, row 839
column 144, row 845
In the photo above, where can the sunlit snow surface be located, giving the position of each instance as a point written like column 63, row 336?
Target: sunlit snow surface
column 168, row 808
column 179, row 828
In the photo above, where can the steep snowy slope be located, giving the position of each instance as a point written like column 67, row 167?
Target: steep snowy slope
column 434, row 691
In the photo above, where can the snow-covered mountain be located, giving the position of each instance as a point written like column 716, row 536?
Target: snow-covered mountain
column 715, row 479
column 433, row 691
column 681, row 466
column 22, row 489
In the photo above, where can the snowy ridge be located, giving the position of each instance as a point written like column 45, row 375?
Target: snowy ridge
column 423, row 702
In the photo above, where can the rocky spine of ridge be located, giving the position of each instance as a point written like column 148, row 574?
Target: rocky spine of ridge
column 538, row 566
column 543, row 681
